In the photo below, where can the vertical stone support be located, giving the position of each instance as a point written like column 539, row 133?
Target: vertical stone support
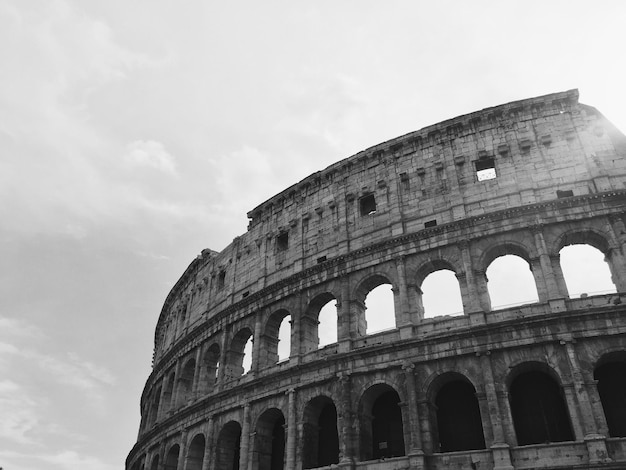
column 244, row 452
column 162, row 405
column 596, row 406
column 208, row 444
column 555, row 263
column 469, row 289
column 344, row 313
column 291, row 431
column 504, row 405
column 295, row 349
column 615, row 256
column 480, row 281
column 176, row 387
column 424, row 412
column 184, row 451
column 224, row 347
column 257, row 342
column 499, row 447
column 347, row 432
column 403, row 307
column 196, row 374
column 596, row 444
column 415, row 452
column 553, row 290
column 572, row 408
column 540, row 280
column 162, row 456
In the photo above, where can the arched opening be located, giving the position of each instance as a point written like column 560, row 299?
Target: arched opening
column 510, row 282
column 441, row 294
column 538, row 409
column 153, row 411
column 459, row 423
column 210, row 368
column 228, row 447
column 379, row 309
column 382, row 434
column 611, row 377
column 276, row 339
column 321, row 438
column 239, row 358
column 185, row 382
column 586, row 271
column 171, row 461
column 195, row 454
column 155, row 463
column 269, row 441
column 327, row 326
column 169, row 391
column 284, row 339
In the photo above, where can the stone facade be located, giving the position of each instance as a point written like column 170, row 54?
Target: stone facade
column 452, row 392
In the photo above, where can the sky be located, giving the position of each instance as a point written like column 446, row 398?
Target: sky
column 135, row 134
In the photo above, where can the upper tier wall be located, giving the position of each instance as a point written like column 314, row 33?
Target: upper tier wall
column 539, row 147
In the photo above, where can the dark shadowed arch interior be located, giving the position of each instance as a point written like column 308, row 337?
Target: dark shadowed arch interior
column 321, row 438
column 195, row 454
column 458, row 417
column 153, row 412
column 235, row 358
column 171, row 461
column 155, row 463
column 538, row 408
column 228, row 447
column 210, row 369
column 269, row 441
column 611, row 377
column 185, row 382
column 167, row 394
column 382, row 433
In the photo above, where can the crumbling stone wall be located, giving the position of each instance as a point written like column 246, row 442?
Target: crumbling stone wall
column 525, row 178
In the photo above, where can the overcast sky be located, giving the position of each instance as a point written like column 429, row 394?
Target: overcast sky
column 133, row 134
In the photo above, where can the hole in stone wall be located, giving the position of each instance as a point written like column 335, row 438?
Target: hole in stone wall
column 441, row 294
column 221, row 279
column 327, row 328
column 565, row 193
column 367, row 204
column 510, row 282
column 485, row 169
column 611, row 379
column 321, row 259
column 380, row 311
column 585, row 271
column 284, row 339
column 430, row 223
column 247, row 356
column 282, row 241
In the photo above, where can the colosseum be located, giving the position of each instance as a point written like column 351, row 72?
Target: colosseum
column 541, row 384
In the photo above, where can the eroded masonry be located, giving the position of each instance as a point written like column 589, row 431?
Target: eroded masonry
column 539, row 385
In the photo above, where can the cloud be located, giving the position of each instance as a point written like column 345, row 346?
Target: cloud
column 151, row 154
column 63, row 460
column 19, row 413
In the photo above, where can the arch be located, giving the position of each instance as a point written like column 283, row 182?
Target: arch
column 610, row 374
column 319, row 322
column 380, row 309
column 381, row 427
column 585, row 270
column 538, row 407
column 195, row 453
column 320, row 433
column 227, row 449
column 458, row 420
column 510, row 281
column 271, row 337
column 234, row 366
column 441, row 294
column 508, row 247
column 382, row 313
column 185, row 382
column 155, row 402
column 169, row 391
column 171, row 461
column 210, row 368
column 269, row 441
column 584, row 236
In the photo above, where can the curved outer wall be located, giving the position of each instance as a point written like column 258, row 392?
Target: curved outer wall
column 561, row 174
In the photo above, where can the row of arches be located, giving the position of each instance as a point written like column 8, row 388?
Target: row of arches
column 452, row 415
column 375, row 309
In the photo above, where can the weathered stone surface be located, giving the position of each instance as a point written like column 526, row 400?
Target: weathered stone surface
column 395, row 213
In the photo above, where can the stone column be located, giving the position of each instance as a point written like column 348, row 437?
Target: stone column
column 480, row 281
column 345, row 422
column 174, row 398
column 555, row 262
column 415, row 452
column 257, row 343
column 182, row 454
column 471, row 297
column 424, row 412
column 208, row 444
column 507, row 418
column 196, row 374
column 572, row 408
column 552, row 286
column 344, row 315
column 403, row 309
column 615, row 256
column 499, row 447
column 540, row 281
column 221, row 373
column 596, row 444
column 291, row 431
column 162, row 456
column 244, row 452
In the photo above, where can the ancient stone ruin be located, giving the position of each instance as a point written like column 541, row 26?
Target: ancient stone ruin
column 536, row 385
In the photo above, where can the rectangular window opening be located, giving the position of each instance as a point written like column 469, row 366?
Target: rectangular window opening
column 566, row 193
column 282, row 241
column 485, row 169
column 430, row 223
column 367, row 204
column 321, row 259
column 221, row 279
